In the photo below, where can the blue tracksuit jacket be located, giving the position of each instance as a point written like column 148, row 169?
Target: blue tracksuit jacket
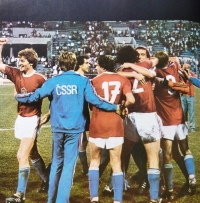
column 195, row 81
column 66, row 93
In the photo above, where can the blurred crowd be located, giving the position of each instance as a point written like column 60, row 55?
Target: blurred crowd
column 97, row 38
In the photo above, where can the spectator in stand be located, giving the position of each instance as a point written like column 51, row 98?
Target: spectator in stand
column 56, row 70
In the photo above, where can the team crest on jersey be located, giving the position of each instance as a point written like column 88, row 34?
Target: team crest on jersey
column 23, row 90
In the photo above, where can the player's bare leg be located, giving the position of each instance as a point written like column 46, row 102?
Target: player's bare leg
column 25, row 147
column 115, row 158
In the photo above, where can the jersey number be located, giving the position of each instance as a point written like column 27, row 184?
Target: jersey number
column 135, row 89
column 114, row 93
column 173, row 79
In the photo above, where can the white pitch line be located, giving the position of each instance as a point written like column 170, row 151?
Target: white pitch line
column 6, row 129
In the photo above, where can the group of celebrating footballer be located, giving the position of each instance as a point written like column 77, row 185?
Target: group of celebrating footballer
column 143, row 90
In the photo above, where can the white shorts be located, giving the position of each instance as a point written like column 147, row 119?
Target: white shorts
column 107, row 143
column 179, row 131
column 26, row 127
column 144, row 126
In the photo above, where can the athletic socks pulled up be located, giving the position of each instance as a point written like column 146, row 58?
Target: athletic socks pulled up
column 118, row 180
column 23, row 176
column 154, row 179
column 168, row 174
column 93, row 176
column 189, row 163
column 39, row 166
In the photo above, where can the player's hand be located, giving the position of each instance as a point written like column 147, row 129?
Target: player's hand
column 143, row 81
column 122, row 110
column 124, row 113
column 3, row 41
column 140, row 78
column 45, row 118
column 176, row 84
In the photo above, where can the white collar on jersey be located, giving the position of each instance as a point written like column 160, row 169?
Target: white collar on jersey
column 108, row 72
column 29, row 75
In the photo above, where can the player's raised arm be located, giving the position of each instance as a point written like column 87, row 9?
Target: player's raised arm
column 2, row 42
column 131, row 75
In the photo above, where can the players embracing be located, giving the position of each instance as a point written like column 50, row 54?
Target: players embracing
column 142, row 122
column 169, row 108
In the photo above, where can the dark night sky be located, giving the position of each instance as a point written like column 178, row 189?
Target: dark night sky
column 100, row 10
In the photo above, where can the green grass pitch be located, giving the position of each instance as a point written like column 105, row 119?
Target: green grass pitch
column 80, row 189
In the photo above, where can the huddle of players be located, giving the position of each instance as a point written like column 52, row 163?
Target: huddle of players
column 161, row 111
column 144, row 106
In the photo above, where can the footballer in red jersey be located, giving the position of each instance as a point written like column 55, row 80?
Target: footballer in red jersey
column 169, row 108
column 26, row 79
column 106, row 128
column 82, row 67
column 142, row 121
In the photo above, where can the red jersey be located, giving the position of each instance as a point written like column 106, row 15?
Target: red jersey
column 112, row 87
column 26, row 83
column 144, row 98
column 168, row 103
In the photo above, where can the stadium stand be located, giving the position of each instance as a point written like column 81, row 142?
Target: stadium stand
column 178, row 37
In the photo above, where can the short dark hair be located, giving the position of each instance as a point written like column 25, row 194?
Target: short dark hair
column 80, row 61
column 144, row 48
column 127, row 54
column 163, row 59
column 106, row 62
column 67, row 61
column 30, row 55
